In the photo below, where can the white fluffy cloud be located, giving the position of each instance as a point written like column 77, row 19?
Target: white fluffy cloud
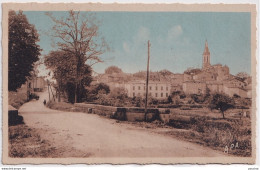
column 137, row 42
column 175, row 32
column 143, row 34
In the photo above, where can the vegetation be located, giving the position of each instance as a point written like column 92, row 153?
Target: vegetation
column 23, row 50
column 17, row 99
column 80, row 46
column 221, row 102
column 113, row 69
column 94, row 92
column 63, row 67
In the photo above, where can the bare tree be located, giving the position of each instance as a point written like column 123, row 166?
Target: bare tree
column 78, row 35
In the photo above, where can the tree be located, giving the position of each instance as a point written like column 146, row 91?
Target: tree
column 23, row 51
column 169, row 99
column 78, row 36
column 165, row 72
column 63, row 66
column 118, row 93
column 222, row 102
column 113, row 69
column 102, row 86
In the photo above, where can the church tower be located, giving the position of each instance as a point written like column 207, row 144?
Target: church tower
column 206, row 56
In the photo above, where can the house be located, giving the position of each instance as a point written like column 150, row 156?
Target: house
column 193, row 87
column 156, row 89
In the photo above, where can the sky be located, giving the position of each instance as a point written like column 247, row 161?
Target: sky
column 177, row 39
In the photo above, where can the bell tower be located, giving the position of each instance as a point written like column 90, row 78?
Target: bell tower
column 206, row 56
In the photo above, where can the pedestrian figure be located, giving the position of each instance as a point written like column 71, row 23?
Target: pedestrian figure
column 44, row 102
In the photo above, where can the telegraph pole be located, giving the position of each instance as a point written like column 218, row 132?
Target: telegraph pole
column 147, row 79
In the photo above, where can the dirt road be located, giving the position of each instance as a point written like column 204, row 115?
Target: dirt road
column 80, row 133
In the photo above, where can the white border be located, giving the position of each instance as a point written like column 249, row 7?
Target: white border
column 185, row 166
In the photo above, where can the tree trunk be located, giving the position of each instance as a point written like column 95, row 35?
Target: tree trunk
column 223, row 115
column 76, row 96
column 77, row 77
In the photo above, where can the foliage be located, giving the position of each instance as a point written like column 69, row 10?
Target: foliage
column 17, row 99
column 79, row 38
column 102, row 97
column 23, row 51
column 63, row 67
column 138, row 101
column 169, row 99
column 116, row 97
column 165, row 72
column 222, row 102
column 153, row 101
column 93, row 91
column 118, row 93
column 101, row 86
column 113, row 69
column 181, row 94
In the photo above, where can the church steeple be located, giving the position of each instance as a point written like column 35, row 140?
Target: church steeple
column 206, row 56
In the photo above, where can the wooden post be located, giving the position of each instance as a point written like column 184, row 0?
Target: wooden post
column 147, row 80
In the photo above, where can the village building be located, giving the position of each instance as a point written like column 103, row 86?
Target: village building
column 194, row 87
column 158, row 90
column 212, row 78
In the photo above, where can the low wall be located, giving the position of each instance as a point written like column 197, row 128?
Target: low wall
column 120, row 113
column 13, row 117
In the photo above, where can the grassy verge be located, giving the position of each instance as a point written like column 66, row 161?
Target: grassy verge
column 230, row 135
column 63, row 106
column 26, row 142
column 17, row 99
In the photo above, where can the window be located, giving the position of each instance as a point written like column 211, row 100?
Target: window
column 162, row 88
column 166, row 94
column 133, row 87
column 156, row 95
column 166, row 88
column 139, row 94
column 156, row 88
column 150, row 87
column 133, row 94
column 139, row 88
column 161, row 94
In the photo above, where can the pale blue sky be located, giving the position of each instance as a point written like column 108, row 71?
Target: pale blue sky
column 177, row 39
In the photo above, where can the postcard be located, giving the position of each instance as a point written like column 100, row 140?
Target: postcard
column 97, row 83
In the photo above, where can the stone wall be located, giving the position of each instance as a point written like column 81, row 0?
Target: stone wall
column 120, row 113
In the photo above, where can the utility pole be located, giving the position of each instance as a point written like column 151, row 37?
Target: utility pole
column 147, row 80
